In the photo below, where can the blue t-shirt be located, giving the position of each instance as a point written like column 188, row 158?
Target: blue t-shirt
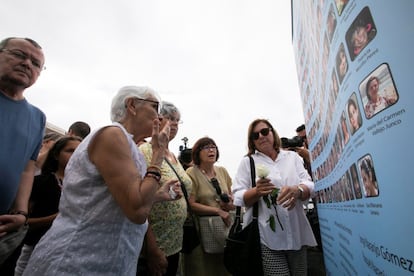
column 22, row 128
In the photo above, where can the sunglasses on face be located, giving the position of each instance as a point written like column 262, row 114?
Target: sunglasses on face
column 263, row 132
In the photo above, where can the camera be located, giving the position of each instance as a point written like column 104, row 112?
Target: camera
column 293, row 142
column 225, row 198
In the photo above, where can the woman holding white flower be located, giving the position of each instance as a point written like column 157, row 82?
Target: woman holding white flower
column 282, row 186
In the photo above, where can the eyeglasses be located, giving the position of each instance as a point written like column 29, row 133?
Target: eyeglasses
column 209, row 147
column 155, row 104
column 20, row 55
column 263, row 132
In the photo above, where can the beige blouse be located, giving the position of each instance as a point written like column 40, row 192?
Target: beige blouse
column 203, row 190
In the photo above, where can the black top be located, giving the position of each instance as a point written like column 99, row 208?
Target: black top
column 44, row 201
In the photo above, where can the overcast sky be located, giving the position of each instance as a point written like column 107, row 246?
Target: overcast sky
column 224, row 63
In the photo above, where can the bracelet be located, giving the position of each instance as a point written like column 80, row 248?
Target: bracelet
column 158, row 169
column 155, row 175
column 300, row 192
column 23, row 213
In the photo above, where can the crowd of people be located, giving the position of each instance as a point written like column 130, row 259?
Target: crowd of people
column 110, row 201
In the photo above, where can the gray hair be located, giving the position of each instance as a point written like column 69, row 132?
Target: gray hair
column 5, row 41
column 167, row 109
column 118, row 107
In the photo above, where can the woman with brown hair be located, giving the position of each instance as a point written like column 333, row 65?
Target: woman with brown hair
column 282, row 187
column 211, row 196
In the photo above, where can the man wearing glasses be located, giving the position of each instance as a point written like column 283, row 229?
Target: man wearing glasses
column 21, row 62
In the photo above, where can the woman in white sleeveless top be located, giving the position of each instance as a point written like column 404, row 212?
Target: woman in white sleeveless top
column 108, row 191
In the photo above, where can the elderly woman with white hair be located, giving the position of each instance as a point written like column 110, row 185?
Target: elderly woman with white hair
column 108, row 192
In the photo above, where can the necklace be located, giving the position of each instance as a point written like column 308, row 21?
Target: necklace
column 209, row 174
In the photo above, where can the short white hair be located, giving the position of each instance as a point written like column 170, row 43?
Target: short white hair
column 118, row 107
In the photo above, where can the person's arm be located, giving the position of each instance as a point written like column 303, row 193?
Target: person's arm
column 35, row 223
column 41, row 158
column 263, row 187
column 156, row 259
column 19, row 211
column 304, row 153
column 201, row 209
column 21, row 203
column 111, row 154
column 302, row 191
column 243, row 193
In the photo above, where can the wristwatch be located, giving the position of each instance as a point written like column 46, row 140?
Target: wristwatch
column 300, row 192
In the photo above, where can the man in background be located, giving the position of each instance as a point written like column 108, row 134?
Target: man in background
column 316, row 264
column 304, row 151
column 23, row 126
column 80, row 129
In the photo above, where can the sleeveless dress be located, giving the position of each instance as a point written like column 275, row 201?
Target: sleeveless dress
column 91, row 235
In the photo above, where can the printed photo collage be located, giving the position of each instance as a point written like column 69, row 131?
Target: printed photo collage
column 376, row 92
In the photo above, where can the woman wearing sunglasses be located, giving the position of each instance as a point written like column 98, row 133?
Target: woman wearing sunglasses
column 282, row 187
column 210, row 196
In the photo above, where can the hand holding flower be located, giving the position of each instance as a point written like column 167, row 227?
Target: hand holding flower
column 269, row 193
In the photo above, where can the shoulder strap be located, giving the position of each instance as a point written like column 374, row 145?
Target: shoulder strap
column 253, row 176
column 182, row 185
column 253, row 180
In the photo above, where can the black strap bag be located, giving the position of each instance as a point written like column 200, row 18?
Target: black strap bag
column 191, row 236
column 242, row 252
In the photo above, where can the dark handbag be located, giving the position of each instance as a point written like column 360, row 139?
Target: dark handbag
column 191, row 236
column 242, row 252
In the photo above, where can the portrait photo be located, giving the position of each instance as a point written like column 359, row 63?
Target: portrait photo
column 331, row 22
column 355, row 181
column 341, row 63
column 378, row 91
column 354, row 115
column 368, row 176
column 361, row 32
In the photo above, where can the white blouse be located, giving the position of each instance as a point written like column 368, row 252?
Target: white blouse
column 286, row 170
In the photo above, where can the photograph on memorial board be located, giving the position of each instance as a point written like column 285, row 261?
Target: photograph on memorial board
column 356, row 184
column 378, row 91
column 354, row 114
column 341, row 63
column 331, row 23
column 361, row 32
column 368, row 176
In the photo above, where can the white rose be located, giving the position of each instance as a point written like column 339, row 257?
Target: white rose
column 262, row 171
